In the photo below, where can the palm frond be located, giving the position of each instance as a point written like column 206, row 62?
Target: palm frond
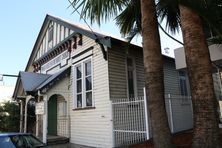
column 169, row 10
column 209, row 10
column 215, row 40
column 129, row 20
column 99, row 10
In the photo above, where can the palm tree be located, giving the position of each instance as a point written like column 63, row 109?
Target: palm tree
column 191, row 15
column 129, row 21
column 153, row 65
column 103, row 9
column 206, row 130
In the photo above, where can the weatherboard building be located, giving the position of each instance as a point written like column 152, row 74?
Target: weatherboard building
column 79, row 80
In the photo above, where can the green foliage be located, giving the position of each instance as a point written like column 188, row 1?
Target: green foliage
column 98, row 10
column 129, row 20
column 211, row 13
column 169, row 10
column 127, row 14
column 9, row 117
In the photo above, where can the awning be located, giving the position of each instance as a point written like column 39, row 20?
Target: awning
column 32, row 82
column 54, row 78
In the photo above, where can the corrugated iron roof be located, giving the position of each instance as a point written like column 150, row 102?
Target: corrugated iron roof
column 32, row 80
column 53, row 78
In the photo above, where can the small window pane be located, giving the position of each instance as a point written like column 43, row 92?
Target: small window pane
column 79, row 86
column 88, row 68
column 88, row 83
column 89, row 99
column 78, row 72
column 79, row 100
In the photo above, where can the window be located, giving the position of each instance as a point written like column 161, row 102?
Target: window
column 83, row 85
column 50, row 36
column 183, row 83
column 88, row 83
column 79, row 85
column 131, row 77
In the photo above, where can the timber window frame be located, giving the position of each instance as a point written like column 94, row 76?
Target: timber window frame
column 131, row 77
column 83, row 84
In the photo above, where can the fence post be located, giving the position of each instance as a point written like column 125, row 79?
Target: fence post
column 146, row 114
column 112, row 127
column 171, row 113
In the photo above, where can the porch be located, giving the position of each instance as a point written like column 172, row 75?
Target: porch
column 49, row 105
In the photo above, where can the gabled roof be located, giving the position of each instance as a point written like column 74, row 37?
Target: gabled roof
column 101, row 38
column 32, row 80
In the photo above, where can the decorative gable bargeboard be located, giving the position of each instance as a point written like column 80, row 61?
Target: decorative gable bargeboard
column 57, row 41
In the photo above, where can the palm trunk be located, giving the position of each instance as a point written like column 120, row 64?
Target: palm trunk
column 206, row 130
column 153, row 64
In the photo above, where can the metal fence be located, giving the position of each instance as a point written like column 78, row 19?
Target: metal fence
column 131, row 122
column 179, row 112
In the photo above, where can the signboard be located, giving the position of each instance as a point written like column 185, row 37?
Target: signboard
column 55, row 61
column 40, row 108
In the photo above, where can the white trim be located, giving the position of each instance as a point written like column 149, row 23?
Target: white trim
column 146, row 114
column 45, row 120
column 82, row 64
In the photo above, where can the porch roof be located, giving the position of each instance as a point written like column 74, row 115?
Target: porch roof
column 53, row 78
column 32, row 82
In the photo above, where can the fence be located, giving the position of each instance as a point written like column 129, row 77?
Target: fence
column 179, row 111
column 129, row 121
column 130, row 118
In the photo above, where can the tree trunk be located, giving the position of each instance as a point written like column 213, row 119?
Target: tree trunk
column 206, row 130
column 153, row 64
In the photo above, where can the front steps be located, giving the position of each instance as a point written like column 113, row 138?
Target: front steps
column 54, row 140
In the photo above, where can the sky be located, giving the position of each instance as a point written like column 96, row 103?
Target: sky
column 21, row 21
column 5, row 93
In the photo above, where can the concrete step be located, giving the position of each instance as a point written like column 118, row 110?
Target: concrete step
column 53, row 140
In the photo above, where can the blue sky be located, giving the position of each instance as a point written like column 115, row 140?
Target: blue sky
column 21, row 21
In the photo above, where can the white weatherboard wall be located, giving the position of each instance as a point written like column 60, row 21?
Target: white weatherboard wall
column 92, row 127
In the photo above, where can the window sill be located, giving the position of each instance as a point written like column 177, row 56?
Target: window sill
column 85, row 108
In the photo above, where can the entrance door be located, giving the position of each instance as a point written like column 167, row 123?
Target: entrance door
column 52, row 115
